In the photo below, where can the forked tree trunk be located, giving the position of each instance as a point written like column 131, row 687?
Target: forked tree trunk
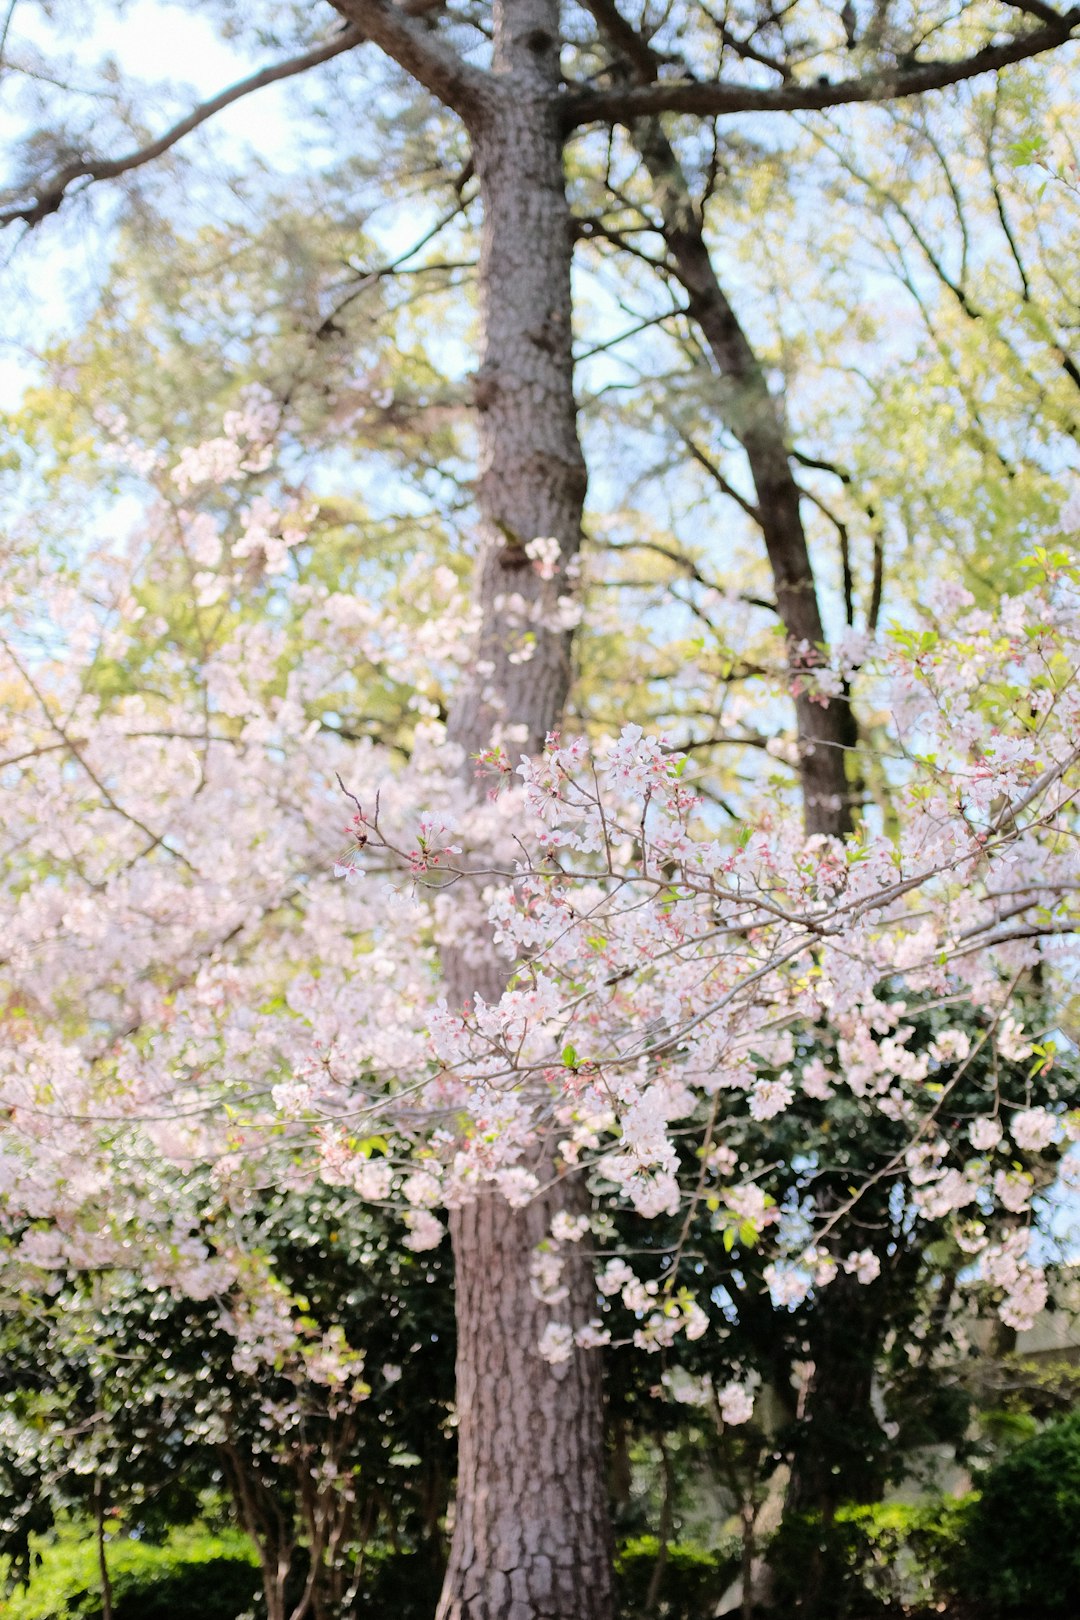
column 531, row 1537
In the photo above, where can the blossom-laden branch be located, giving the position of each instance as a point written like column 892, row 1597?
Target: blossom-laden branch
column 238, row 998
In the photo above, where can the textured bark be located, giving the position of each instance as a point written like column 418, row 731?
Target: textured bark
column 532, row 472
column 531, row 1537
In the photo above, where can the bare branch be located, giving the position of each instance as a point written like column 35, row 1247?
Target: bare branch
column 624, row 103
column 392, row 27
column 999, row 202
column 52, row 192
column 685, row 564
column 393, row 267
column 395, row 30
column 709, row 465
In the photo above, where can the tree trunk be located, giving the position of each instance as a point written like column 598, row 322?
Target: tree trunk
column 531, row 1531
column 99, row 1541
column 838, row 1457
column 266, row 1525
column 826, row 734
column 666, row 1528
column 531, row 1537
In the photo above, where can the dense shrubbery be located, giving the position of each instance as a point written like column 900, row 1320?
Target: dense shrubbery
column 200, row 1576
column 1007, row 1552
column 397, row 1586
column 193, row 1576
column 874, row 1560
column 1020, row 1554
column 1010, row 1551
column 693, row 1579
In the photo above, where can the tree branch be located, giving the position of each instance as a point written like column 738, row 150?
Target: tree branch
column 392, row 27
column 395, row 30
column 6, row 28
column 624, row 103
column 1033, row 8
column 371, row 277
column 706, row 462
column 685, row 564
column 51, row 193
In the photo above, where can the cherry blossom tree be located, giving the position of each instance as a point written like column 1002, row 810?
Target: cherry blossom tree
column 199, row 858
column 201, row 970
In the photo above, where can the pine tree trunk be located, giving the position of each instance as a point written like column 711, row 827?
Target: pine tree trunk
column 531, row 1530
column 531, row 1537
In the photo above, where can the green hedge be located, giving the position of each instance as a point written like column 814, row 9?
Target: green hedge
column 194, row 1576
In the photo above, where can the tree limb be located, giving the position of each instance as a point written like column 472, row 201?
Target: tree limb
column 1033, row 8
column 392, row 27
column 395, row 30
column 6, row 28
column 51, row 193
column 624, row 103
column 709, row 465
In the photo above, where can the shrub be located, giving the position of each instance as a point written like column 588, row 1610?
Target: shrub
column 398, row 1586
column 1021, row 1549
column 196, row 1575
column 693, row 1581
column 193, row 1577
column 874, row 1560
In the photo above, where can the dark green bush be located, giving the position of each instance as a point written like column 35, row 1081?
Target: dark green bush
column 878, row 1560
column 1021, row 1550
column 398, row 1586
column 219, row 1589
column 693, row 1580
column 829, row 1558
